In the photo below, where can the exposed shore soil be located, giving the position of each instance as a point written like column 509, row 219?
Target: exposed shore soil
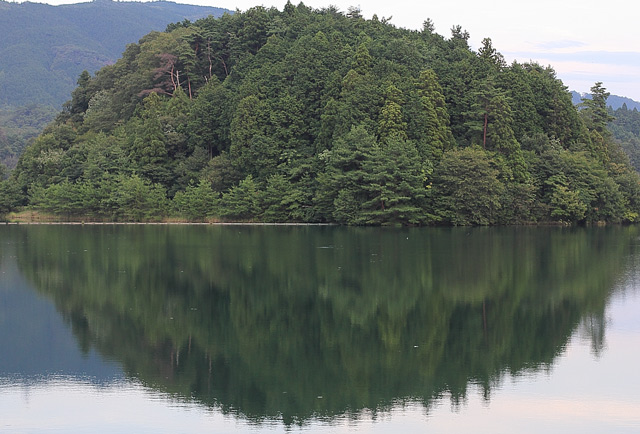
column 37, row 218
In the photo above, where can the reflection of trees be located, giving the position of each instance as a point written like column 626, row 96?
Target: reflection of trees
column 261, row 321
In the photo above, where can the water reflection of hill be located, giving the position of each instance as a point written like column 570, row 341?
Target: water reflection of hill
column 263, row 321
column 35, row 342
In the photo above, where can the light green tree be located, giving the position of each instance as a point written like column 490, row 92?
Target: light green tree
column 466, row 188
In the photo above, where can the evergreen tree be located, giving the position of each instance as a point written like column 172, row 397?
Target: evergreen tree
column 391, row 125
column 490, row 56
column 596, row 115
column 149, row 150
column 430, row 125
column 138, row 200
column 282, row 201
column 340, row 194
column 241, row 202
column 594, row 109
column 196, row 202
column 211, row 118
column 393, row 185
column 10, row 197
column 466, row 188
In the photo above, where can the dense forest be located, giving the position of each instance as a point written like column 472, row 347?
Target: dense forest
column 306, row 115
column 614, row 101
column 19, row 125
column 625, row 127
column 44, row 49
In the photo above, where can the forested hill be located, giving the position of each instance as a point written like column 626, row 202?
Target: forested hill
column 614, row 101
column 624, row 123
column 44, row 48
column 625, row 126
column 318, row 116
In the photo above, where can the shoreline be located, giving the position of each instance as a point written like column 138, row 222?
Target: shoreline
column 218, row 223
column 37, row 218
column 60, row 223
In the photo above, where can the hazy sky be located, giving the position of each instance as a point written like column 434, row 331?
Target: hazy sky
column 585, row 41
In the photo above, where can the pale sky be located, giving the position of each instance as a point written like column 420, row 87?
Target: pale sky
column 585, row 41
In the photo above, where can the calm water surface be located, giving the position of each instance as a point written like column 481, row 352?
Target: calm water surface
column 171, row 329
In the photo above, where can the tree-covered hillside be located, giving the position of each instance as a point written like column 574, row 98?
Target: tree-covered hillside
column 614, row 101
column 18, row 125
column 625, row 126
column 44, row 48
column 624, row 123
column 318, row 116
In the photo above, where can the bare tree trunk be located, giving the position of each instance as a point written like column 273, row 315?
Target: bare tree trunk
column 209, row 57
column 173, row 81
column 226, row 71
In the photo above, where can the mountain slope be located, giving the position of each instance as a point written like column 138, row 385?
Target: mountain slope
column 614, row 101
column 44, row 48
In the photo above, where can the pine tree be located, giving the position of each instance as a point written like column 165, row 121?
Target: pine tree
column 431, row 129
column 594, row 109
column 149, row 150
column 241, row 202
column 393, row 187
column 391, row 125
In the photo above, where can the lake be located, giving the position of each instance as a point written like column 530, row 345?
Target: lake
column 267, row 329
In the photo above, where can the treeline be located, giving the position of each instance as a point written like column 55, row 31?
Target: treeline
column 625, row 127
column 318, row 116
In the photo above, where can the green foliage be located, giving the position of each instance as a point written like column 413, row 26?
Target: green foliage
column 126, row 198
column 149, row 150
column 241, row 202
column 56, row 43
column 283, row 201
column 10, row 197
column 341, row 188
column 625, row 129
column 466, row 189
column 66, row 198
column 59, row 45
column 393, row 185
column 196, row 202
column 566, row 204
column 429, row 123
column 391, row 126
column 315, row 116
column 138, row 200
column 18, row 126
column 519, row 204
column 574, row 181
column 211, row 118
column 594, row 109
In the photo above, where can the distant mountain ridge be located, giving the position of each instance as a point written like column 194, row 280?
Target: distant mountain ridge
column 44, row 48
column 614, row 101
